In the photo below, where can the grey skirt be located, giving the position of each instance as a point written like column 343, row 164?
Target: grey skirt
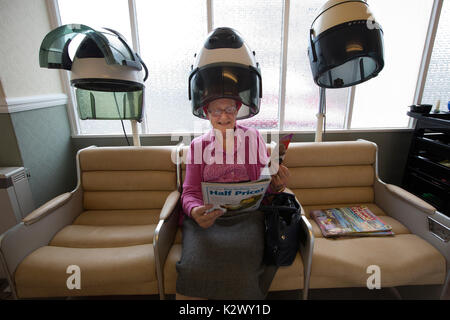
column 225, row 261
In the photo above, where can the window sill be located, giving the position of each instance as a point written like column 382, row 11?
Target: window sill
column 264, row 132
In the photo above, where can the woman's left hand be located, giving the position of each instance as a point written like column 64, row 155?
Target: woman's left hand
column 280, row 179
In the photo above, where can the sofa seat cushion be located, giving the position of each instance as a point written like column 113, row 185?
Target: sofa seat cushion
column 403, row 259
column 286, row 278
column 104, row 271
column 289, row 277
column 170, row 271
column 397, row 227
column 81, row 236
column 118, row 217
column 178, row 237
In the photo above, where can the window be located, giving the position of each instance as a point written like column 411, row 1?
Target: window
column 260, row 23
column 171, row 32
column 382, row 102
column 168, row 43
column 302, row 94
column 437, row 86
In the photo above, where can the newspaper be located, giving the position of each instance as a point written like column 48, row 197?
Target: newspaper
column 234, row 197
column 350, row 221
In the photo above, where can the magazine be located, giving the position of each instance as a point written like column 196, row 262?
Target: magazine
column 283, row 146
column 235, row 197
column 350, row 221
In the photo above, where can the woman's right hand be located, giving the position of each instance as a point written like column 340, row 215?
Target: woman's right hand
column 203, row 219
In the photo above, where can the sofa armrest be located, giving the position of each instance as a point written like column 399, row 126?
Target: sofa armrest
column 165, row 233
column 399, row 203
column 411, row 211
column 306, row 246
column 47, row 208
column 42, row 224
column 306, row 252
column 410, row 198
column 170, row 204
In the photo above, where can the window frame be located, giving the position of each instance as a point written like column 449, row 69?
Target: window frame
column 55, row 21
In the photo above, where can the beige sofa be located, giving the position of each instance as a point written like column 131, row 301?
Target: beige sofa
column 295, row 276
column 120, row 226
column 336, row 174
column 105, row 227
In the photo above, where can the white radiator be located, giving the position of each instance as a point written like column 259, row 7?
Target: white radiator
column 16, row 200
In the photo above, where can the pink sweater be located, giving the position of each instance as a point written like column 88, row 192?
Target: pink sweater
column 208, row 162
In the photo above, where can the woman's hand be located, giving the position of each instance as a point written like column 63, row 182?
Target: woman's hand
column 203, row 219
column 280, row 179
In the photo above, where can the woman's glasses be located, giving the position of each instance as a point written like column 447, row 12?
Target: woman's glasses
column 218, row 112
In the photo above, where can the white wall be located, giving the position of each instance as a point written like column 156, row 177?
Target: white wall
column 23, row 25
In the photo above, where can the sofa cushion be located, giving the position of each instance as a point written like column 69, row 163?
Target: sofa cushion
column 289, row 277
column 120, row 200
column 81, row 236
column 327, row 196
column 404, row 259
column 336, row 153
column 105, row 271
column 170, row 271
column 286, row 278
column 118, row 217
column 331, row 172
column 331, row 176
column 131, row 180
column 128, row 158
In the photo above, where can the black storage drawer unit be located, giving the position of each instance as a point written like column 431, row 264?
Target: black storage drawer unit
column 427, row 172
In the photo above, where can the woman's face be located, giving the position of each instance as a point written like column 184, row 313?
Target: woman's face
column 222, row 114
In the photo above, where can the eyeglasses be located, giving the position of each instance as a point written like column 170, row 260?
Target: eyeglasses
column 227, row 110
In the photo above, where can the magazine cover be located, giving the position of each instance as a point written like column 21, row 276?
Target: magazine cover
column 235, row 197
column 283, row 146
column 350, row 221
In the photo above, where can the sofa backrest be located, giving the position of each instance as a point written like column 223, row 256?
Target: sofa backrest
column 126, row 177
column 183, row 152
column 327, row 172
column 332, row 172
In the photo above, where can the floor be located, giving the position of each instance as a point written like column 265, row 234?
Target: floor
column 399, row 293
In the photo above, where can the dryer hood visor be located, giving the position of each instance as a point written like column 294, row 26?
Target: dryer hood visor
column 54, row 50
column 107, row 105
column 346, row 54
column 234, row 81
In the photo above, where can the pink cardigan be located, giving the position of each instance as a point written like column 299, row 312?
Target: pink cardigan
column 249, row 150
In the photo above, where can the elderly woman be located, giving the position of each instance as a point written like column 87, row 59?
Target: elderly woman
column 222, row 255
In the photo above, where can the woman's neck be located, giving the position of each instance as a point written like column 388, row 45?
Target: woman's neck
column 227, row 138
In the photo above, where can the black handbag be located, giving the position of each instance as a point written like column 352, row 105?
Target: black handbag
column 283, row 228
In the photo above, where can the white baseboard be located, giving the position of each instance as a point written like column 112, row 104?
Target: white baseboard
column 32, row 102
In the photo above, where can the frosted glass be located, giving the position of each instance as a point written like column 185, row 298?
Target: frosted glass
column 171, row 32
column 97, row 14
column 302, row 94
column 260, row 24
column 382, row 101
column 437, row 86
